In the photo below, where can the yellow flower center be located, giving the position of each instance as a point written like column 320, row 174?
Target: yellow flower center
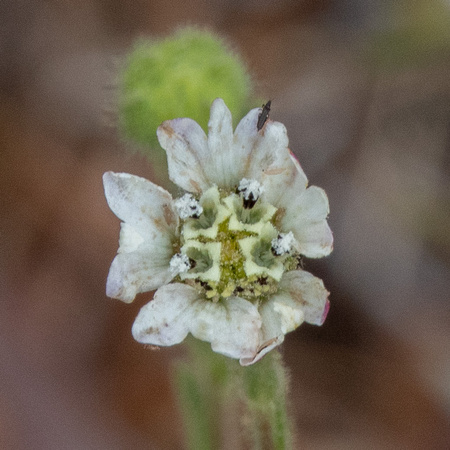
column 232, row 248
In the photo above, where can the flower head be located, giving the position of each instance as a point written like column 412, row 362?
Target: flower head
column 224, row 257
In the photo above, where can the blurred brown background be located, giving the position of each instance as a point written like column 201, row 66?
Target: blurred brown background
column 364, row 90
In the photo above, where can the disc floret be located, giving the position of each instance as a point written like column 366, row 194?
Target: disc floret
column 232, row 246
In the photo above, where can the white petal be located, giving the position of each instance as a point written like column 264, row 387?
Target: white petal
column 246, row 142
column 266, row 346
column 311, row 206
column 220, row 165
column 294, row 185
column 141, row 270
column 301, row 297
column 270, row 337
column 308, row 292
column 286, row 312
column 280, row 315
column 246, row 138
column 270, row 158
column 231, row 326
column 315, row 240
column 145, row 245
column 306, row 217
column 166, row 319
column 187, row 148
column 145, row 206
column 129, row 239
column 266, row 157
column 196, row 162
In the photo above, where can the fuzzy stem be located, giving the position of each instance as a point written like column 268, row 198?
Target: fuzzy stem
column 265, row 387
column 227, row 406
column 201, row 384
column 195, row 411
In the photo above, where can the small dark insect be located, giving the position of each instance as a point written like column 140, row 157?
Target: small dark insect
column 264, row 115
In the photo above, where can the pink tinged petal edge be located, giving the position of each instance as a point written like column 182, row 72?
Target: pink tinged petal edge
column 187, row 148
column 309, row 292
column 325, row 313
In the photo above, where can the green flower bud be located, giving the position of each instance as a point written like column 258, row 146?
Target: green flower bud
column 178, row 77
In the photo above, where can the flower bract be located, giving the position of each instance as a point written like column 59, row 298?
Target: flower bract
column 224, row 257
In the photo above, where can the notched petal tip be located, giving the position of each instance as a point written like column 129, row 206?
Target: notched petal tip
column 140, row 203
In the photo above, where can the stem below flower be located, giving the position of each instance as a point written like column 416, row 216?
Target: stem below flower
column 265, row 386
column 214, row 390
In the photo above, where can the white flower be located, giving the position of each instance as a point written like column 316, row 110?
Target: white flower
column 224, row 258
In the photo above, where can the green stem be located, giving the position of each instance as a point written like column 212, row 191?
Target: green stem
column 214, row 391
column 195, row 410
column 201, row 383
column 265, row 387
